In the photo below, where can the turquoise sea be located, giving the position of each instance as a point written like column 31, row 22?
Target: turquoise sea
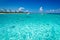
column 34, row 26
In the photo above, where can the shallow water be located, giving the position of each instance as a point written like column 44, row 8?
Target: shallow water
column 29, row 27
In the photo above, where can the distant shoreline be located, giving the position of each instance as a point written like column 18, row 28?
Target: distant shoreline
column 25, row 13
column 11, row 12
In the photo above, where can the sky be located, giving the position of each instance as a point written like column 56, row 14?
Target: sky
column 31, row 5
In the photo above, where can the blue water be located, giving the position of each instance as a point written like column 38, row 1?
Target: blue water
column 30, row 27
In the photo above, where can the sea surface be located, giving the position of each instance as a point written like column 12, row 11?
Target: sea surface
column 34, row 26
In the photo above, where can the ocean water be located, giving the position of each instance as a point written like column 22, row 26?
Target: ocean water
column 34, row 26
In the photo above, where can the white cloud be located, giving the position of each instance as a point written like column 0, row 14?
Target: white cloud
column 2, row 10
column 21, row 9
column 8, row 10
column 27, row 11
column 53, row 11
column 13, row 10
column 49, row 11
column 41, row 9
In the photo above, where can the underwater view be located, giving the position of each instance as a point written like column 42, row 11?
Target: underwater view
column 34, row 26
column 29, row 19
